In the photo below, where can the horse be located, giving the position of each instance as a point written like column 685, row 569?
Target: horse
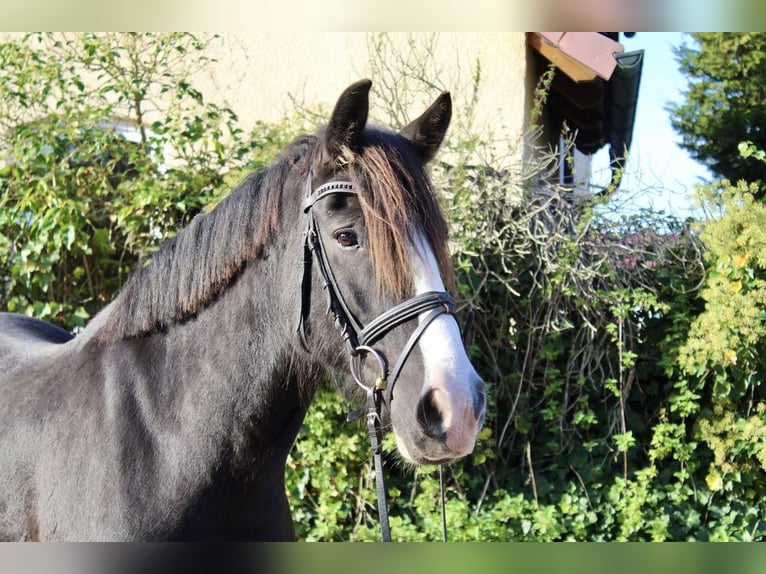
column 170, row 416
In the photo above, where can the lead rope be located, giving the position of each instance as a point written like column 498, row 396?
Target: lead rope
column 444, row 506
column 381, row 392
column 373, row 428
column 375, row 398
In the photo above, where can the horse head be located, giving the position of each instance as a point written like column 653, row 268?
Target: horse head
column 376, row 246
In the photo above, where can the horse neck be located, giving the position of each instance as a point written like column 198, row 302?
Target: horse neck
column 246, row 364
column 227, row 379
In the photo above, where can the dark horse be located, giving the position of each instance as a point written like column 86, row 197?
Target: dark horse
column 170, row 416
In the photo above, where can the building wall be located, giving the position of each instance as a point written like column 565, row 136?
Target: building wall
column 262, row 75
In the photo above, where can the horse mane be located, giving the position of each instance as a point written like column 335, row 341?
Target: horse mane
column 397, row 198
column 188, row 271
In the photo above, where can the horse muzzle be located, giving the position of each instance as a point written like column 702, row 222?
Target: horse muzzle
column 445, row 421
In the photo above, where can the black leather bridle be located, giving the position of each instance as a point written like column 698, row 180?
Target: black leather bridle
column 360, row 339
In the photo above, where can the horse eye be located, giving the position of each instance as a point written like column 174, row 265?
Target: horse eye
column 347, row 239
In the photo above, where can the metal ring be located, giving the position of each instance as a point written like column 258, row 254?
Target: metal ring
column 381, row 362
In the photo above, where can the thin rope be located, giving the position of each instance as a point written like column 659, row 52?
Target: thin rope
column 444, row 507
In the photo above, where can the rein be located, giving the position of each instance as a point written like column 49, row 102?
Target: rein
column 360, row 339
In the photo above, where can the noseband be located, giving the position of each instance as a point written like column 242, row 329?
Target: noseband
column 360, row 339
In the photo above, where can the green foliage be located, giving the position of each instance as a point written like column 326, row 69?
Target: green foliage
column 723, row 356
column 328, row 475
column 107, row 148
column 748, row 149
column 723, row 102
column 727, row 341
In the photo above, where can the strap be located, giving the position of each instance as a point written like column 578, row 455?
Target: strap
column 403, row 312
column 373, row 428
column 305, row 306
column 331, row 188
column 443, row 504
column 345, row 321
column 405, row 353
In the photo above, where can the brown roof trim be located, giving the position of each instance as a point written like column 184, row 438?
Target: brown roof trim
column 582, row 56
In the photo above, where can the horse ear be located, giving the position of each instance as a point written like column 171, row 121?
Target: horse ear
column 426, row 133
column 347, row 121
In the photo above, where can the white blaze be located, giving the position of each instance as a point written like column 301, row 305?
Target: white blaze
column 448, row 371
column 441, row 344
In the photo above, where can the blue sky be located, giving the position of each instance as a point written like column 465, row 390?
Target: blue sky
column 659, row 174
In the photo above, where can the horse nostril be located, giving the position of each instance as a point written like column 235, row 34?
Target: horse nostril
column 430, row 417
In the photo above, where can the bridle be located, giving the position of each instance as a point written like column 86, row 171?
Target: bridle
column 360, row 339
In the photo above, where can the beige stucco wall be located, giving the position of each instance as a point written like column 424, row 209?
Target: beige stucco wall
column 262, row 75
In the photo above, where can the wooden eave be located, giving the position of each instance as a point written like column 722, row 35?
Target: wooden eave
column 583, row 56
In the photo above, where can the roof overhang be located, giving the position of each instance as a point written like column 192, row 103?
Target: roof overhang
column 597, row 93
column 583, row 56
